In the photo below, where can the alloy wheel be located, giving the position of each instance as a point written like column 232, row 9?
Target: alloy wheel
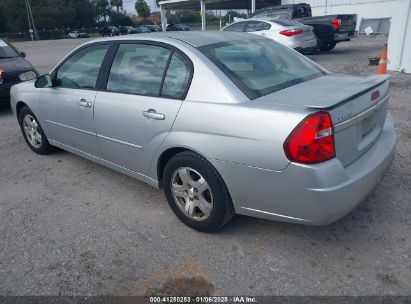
column 192, row 193
column 31, row 129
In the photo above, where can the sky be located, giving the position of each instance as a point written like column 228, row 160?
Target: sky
column 129, row 5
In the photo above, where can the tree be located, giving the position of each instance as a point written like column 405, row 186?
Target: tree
column 3, row 24
column 117, row 4
column 142, row 8
column 102, row 8
column 118, row 19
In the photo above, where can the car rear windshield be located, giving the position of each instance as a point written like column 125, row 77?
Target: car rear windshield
column 7, row 51
column 260, row 66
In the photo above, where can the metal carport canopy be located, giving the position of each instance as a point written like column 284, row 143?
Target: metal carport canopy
column 217, row 4
column 211, row 5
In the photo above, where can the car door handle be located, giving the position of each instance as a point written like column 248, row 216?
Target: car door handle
column 84, row 103
column 152, row 114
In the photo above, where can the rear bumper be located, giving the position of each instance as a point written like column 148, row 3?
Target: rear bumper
column 304, row 46
column 343, row 36
column 309, row 194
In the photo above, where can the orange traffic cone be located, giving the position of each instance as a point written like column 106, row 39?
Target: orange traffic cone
column 382, row 64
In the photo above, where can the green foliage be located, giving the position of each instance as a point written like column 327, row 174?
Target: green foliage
column 3, row 24
column 142, row 8
column 118, row 19
column 117, row 4
column 102, row 8
column 231, row 14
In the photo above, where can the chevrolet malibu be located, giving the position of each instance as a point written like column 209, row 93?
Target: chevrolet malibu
column 225, row 123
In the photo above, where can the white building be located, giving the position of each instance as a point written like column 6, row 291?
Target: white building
column 393, row 16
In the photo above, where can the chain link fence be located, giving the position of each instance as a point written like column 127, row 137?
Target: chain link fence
column 93, row 32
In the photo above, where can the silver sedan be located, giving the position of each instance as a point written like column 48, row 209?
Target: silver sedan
column 225, row 123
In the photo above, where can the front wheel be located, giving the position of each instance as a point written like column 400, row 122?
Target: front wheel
column 33, row 133
column 196, row 192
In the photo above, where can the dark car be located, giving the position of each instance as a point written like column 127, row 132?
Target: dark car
column 153, row 28
column 14, row 68
column 109, row 31
column 125, row 30
column 140, row 30
column 177, row 27
column 329, row 29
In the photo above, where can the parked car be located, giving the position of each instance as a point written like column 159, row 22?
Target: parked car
column 153, row 28
column 140, row 30
column 272, row 135
column 125, row 30
column 177, row 27
column 14, row 68
column 78, row 34
column 291, row 33
column 330, row 29
column 109, row 31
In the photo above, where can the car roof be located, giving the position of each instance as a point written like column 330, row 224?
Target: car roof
column 194, row 38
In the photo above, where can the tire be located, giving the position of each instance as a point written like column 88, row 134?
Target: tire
column 327, row 47
column 210, row 205
column 33, row 133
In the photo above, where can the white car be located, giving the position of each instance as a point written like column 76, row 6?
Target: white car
column 78, row 34
column 293, row 34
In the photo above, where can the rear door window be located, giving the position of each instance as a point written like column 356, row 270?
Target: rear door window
column 257, row 26
column 236, row 27
column 138, row 69
column 177, row 78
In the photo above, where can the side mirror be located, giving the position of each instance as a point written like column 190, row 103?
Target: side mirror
column 23, row 54
column 43, row 82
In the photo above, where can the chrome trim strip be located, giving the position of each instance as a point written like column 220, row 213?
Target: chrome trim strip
column 275, row 214
column 355, row 119
column 111, row 165
column 71, row 128
column 120, row 142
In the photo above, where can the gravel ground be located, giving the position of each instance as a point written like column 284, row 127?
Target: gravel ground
column 71, row 227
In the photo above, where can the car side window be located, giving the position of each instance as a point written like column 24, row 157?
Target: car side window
column 81, row 70
column 138, row 69
column 254, row 26
column 265, row 26
column 236, row 27
column 177, row 77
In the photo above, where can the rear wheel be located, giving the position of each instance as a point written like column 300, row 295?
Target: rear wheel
column 196, row 192
column 33, row 133
column 327, row 46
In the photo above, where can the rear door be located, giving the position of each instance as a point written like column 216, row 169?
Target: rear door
column 145, row 89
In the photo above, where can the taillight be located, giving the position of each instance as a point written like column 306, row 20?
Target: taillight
column 312, row 141
column 336, row 23
column 1, row 76
column 290, row 33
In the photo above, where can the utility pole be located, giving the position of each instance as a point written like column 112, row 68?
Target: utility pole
column 31, row 20
column 28, row 19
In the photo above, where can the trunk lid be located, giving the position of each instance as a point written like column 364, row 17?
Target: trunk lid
column 357, row 105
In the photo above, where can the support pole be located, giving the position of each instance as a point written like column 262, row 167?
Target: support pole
column 163, row 18
column 203, row 15
column 252, row 6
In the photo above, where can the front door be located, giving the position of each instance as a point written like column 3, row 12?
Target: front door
column 145, row 89
column 68, row 106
